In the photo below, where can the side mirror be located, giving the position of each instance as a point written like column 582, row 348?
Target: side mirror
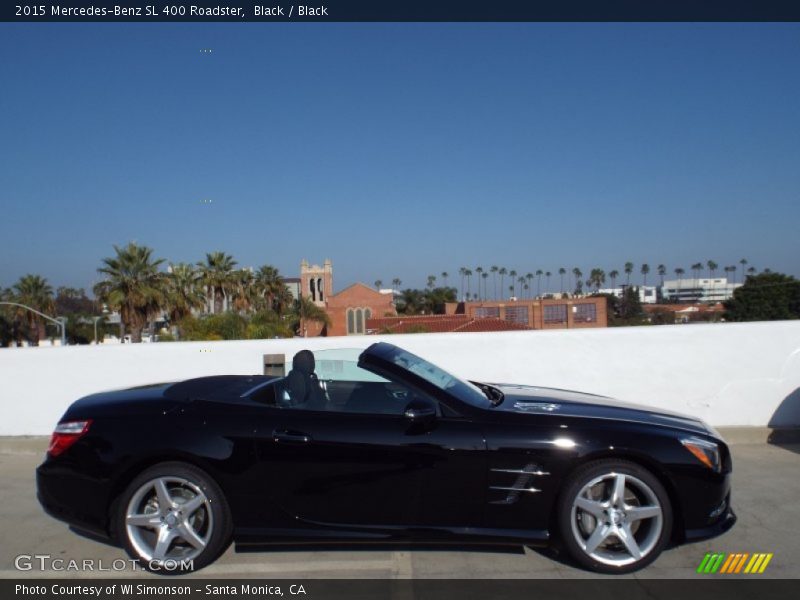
column 420, row 411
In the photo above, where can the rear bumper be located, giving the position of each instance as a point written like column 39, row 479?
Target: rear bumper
column 69, row 497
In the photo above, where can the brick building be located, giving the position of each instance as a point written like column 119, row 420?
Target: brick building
column 439, row 324
column 348, row 310
column 572, row 313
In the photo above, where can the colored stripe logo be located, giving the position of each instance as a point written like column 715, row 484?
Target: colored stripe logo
column 734, row 563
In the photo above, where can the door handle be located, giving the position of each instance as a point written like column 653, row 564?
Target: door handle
column 288, row 435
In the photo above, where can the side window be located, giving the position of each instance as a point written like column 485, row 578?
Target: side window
column 266, row 394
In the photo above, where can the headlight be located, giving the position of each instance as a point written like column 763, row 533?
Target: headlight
column 706, row 452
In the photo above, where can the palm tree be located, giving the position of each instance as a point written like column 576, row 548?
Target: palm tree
column 270, row 286
column 539, row 274
column 577, row 273
column 712, row 267
column 468, row 275
column 445, row 275
column 513, row 274
column 494, row 270
column 431, row 282
column 244, row 295
column 628, row 271
column 679, row 272
column 217, row 275
column 547, row 275
column 612, row 275
column 529, row 278
column 731, row 269
column 597, row 277
column 561, row 272
column 184, row 292
column 133, row 286
column 479, row 271
column 662, row 270
column 463, row 272
column 645, row 270
column 696, row 268
column 743, row 262
column 378, row 284
column 34, row 291
column 521, row 281
column 485, row 277
column 305, row 311
column 751, row 271
column 502, row 271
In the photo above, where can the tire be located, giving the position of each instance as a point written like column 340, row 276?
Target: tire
column 608, row 535
column 174, row 519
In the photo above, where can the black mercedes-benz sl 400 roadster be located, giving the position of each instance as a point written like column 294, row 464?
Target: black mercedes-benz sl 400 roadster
column 381, row 446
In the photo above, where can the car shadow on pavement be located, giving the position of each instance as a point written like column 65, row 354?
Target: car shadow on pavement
column 785, row 423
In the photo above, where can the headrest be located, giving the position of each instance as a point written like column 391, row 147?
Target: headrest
column 303, row 361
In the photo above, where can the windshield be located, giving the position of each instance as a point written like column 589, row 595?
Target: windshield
column 463, row 390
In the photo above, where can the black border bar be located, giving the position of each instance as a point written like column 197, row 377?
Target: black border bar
column 153, row 11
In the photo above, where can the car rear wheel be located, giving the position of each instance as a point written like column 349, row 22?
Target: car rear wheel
column 614, row 516
column 173, row 519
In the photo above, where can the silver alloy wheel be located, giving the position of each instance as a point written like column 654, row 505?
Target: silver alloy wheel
column 616, row 519
column 169, row 519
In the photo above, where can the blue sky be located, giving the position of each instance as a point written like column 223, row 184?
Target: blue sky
column 399, row 150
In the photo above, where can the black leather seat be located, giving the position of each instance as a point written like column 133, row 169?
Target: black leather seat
column 302, row 383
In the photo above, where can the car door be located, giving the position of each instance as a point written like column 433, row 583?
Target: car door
column 362, row 462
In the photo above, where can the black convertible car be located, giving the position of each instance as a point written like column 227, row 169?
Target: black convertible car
column 381, row 446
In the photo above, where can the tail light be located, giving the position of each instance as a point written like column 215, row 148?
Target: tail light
column 66, row 434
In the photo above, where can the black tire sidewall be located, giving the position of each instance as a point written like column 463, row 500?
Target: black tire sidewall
column 572, row 487
column 222, row 531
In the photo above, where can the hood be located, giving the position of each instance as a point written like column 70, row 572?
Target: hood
column 543, row 401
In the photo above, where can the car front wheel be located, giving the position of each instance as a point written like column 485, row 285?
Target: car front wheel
column 614, row 516
column 173, row 519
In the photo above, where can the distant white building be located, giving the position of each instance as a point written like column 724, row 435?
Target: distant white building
column 648, row 294
column 696, row 289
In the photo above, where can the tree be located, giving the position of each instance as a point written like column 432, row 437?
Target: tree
column 133, row 286
column 396, row 283
column 485, row 277
column 578, row 285
column 547, row 275
column 502, row 271
column 445, row 275
column 743, row 262
column 539, row 274
column 561, row 272
column 270, row 287
column 513, row 275
column 662, row 271
column 378, row 284
column 479, row 271
column 244, row 296
column 679, row 271
column 597, row 277
column 34, row 291
column 712, row 267
column 645, row 269
column 630, row 307
column 305, row 311
column 468, row 274
column 628, row 271
column 696, row 268
column 494, row 269
column 463, row 272
column 765, row 297
column 528, row 278
column 184, row 292
column 731, row 269
column 612, row 275
column 217, row 275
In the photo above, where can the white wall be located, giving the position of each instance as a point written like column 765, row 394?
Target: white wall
column 728, row 374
